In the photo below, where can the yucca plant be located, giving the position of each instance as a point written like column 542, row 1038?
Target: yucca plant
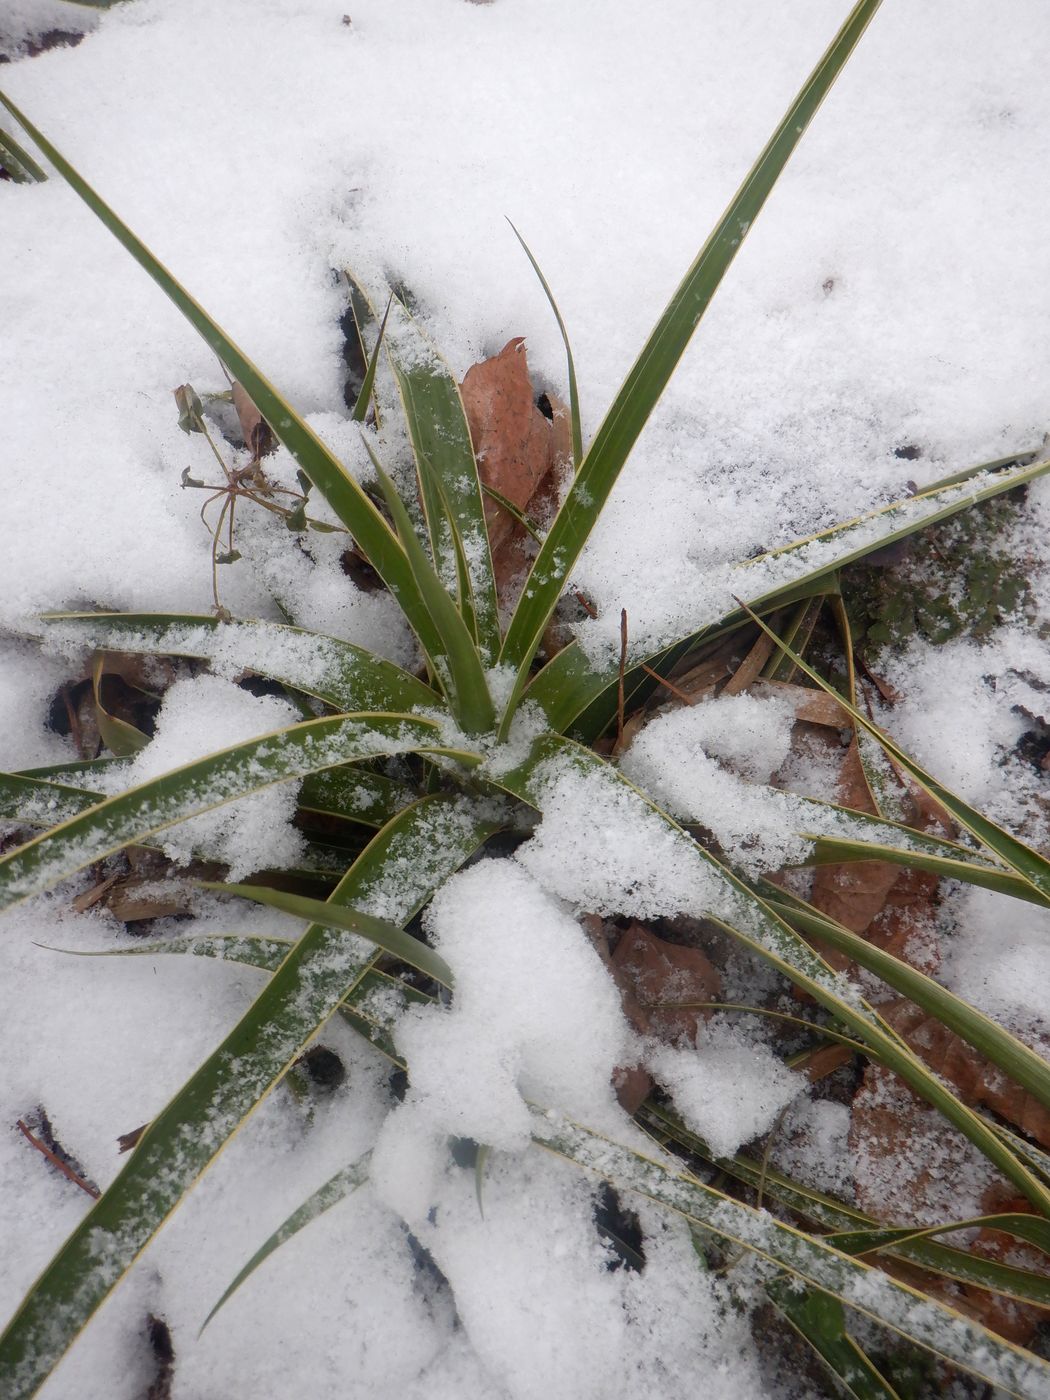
column 498, row 735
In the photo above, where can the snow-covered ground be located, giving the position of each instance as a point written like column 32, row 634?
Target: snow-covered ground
column 895, row 293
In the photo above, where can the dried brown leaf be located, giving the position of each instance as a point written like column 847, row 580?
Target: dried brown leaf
column 515, row 448
column 975, row 1079
column 92, row 896
column 654, row 976
column 749, row 669
column 133, row 900
column 852, row 893
column 633, row 1086
column 906, row 925
column 813, row 706
column 912, row 1166
column 258, row 438
column 127, row 1141
column 698, row 677
column 822, row 1061
column 151, row 674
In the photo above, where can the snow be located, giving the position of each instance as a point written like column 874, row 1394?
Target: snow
column 964, row 707
column 892, row 294
column 27, row 683
column 727, row 1089
column 1003, row 972
column 523, row 967
column 197, row 717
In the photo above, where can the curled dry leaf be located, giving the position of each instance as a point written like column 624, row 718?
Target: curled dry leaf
column 518, row 449
column 258, row 438
column 150, row 674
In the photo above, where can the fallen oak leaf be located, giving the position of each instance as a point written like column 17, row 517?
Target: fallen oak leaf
column 653, row 975
column 906, row 926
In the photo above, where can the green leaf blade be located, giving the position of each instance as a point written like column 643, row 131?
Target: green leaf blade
column 461, row 671
column 570, row 684
column 912, row 1315
column 448, row 472
column 344, row 1183
column 727, row 901
column 652, row 370
column 340, row 673
column 221, row 777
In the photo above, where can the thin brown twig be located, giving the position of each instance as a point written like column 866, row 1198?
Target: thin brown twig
column 57, row 1161
column 766, row 1154
column 669, row 685
column 215, row 553
column 619, row 681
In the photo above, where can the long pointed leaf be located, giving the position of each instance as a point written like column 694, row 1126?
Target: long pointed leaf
column 912, row 1315
column 1016, row 1059
column 571, row 684
column 652, row 370
column 38, row 802
column 1028, row 863
column 220, row 777
column 353, row 794
column 437, row 426
column 18, row 163
column 327, row 473
column 407, row 861
column 570, row 363
column 336, row 1189
column 834, row 1215
column 820, row 1319
column 360, row 409
column 727, row 901
column 460, row 666
column 385, row 935
column 339, row 673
